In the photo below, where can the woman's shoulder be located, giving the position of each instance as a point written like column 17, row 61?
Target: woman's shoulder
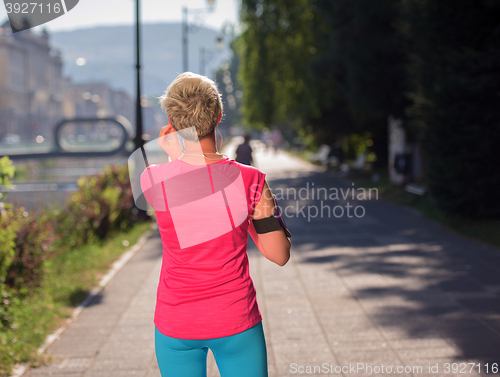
column 158, row 172
column 245, row 168
column 252, row 177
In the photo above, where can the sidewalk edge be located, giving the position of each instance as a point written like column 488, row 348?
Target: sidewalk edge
column 20, row 369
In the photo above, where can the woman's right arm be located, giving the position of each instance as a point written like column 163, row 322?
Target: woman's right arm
column 274, row 245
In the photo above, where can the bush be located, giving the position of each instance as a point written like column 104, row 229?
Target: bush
column 33, row 244
column 103, row 203
column 26, row 241
column 7, row 253
column 7, row 242
column 29, row 241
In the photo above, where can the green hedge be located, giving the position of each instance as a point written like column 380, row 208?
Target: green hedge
column 103, row 203
column 102, row 206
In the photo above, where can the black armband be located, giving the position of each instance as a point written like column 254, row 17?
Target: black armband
column 266, row 225
column 271, row 223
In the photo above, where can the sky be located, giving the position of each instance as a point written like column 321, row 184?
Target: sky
column 89, row 13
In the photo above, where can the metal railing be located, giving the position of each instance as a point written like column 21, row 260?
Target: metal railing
column 67, row 145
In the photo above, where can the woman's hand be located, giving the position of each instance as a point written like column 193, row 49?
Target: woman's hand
column 171, row 147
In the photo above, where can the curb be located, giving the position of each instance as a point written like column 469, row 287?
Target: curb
column 20, row 369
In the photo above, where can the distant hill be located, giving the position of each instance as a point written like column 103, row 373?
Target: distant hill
column 110, row 54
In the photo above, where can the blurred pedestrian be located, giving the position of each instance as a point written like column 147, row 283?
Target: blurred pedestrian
column 277, row 139
column 265, row 137
column 244, row 152
column 208, row 204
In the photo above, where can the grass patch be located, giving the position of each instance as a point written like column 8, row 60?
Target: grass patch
column 485, row 230
column 69, row 278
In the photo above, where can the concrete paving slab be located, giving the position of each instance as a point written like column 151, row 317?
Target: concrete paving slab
column 390, row 288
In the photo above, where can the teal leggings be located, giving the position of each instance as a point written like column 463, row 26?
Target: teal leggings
column 240, row 355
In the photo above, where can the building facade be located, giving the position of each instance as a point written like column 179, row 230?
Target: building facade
column 96, row 100
column 35, row 96
column 31, row 85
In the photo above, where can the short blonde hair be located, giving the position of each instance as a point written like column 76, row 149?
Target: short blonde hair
column 192, row 100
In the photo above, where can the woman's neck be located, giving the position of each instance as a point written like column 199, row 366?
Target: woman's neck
column 194, row 151
column 206, row 145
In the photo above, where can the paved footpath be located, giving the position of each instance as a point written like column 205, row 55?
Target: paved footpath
column 387, row 289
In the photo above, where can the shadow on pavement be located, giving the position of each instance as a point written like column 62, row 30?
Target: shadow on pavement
column 414, row 278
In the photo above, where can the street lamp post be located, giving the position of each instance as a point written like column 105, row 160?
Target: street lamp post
column 185, row 30
column 202, row 61
column 185, row 39
column 207, row 54
column 138, row 140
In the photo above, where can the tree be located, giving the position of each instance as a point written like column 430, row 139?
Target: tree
column 455, row 67
column 329, row 67
column 275, row 49
column 365, row 51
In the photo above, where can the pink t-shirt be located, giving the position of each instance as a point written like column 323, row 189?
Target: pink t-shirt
column 205, row 289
